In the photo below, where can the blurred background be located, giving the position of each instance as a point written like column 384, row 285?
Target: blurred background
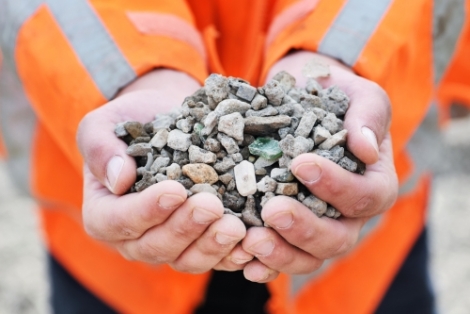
column 444, row 152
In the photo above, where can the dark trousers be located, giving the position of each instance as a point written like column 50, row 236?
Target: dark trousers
column 410, row 291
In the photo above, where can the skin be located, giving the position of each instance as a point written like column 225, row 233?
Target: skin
column 161, row 225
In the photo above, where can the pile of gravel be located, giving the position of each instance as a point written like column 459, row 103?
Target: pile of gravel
column 237, row 142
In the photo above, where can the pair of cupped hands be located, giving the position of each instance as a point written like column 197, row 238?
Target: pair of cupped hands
column 161, row 225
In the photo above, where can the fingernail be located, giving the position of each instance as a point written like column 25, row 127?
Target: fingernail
column 371, row 138
column 225, row 239
column 170, row 201
column 308, row 172
column 282, row 220
column 113, row 169
column 263, row 248
column 202, row 216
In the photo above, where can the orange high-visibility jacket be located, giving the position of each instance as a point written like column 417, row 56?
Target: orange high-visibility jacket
column 63, row 59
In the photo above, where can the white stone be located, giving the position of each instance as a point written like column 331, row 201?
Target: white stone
column 245, row 178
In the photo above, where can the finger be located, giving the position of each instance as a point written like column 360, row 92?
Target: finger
column 112, row 218
column 258, row 272
column 236, row 260
column 165, row 242
column 216, row 243
column 320, row 237
column 276, row 253
column 338, row 187
column 368, row 117
column 103, row 151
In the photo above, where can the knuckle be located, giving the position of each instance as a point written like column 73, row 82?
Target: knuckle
column 361, row 207
column 184, row 266
column 151, row 253
column 122, row 228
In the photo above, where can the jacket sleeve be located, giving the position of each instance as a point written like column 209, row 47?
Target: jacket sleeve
column 74, row 56
column 387, row 41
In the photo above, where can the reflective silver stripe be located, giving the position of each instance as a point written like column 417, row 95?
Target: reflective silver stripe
column 352, row 29
column 449, row 18
column 93, row 45
column 17, row 119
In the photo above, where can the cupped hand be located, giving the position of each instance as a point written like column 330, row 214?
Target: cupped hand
column 160, row 224
column 299, row 241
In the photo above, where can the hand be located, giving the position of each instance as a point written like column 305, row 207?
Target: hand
column 299, row 241
column 160, row 224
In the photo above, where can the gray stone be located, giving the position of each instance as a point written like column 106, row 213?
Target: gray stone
column 286, row 109
column 259, row 102
column 229, row 106
column 286, row 80
column 120, row 130
column 306, row 124
column 274, row 92
column 146, row 181
column 159, row 140
column 337, row 139
column 159, row 177
column 330, row 212
column 231, row 186
column 266, row 112
column 139, row 149
column 135, row 129
column 210, row 123
column 224, row 165
column 287, row 189
column 335, row 154
column 231, row 212
column 266, row 197
column 336, row 100
column 332, row 123
column 233, row 200
column 237, row 157
column 173, row 172
column 293, row 147
column 265, row 125
column 159, row 163
column 185, row 125
column 245, row 178
column 262, row 162
column 249, row 214
column 309, row 102
column 228, row 143
column 313, row 87
column 246, row 91
column 185, row 181
column 181, row 158
column 282, row 175
column 225, row 178
column 203, row 187
column 295, row 94
column 199, row 155
column 162, row 122
column 216, row 87
column 316, row 205
column 233, row 125
column 261, row 172
column 213, row 145
column 267, row 184
column 348, row 164
column 179, row 140
column 320, row 134
column 285, row 161
column 320, row 113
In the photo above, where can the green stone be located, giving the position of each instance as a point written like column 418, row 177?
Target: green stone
column 266, row 147
column 198, row 128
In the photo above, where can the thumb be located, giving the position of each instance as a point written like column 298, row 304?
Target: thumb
column 104, row 153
